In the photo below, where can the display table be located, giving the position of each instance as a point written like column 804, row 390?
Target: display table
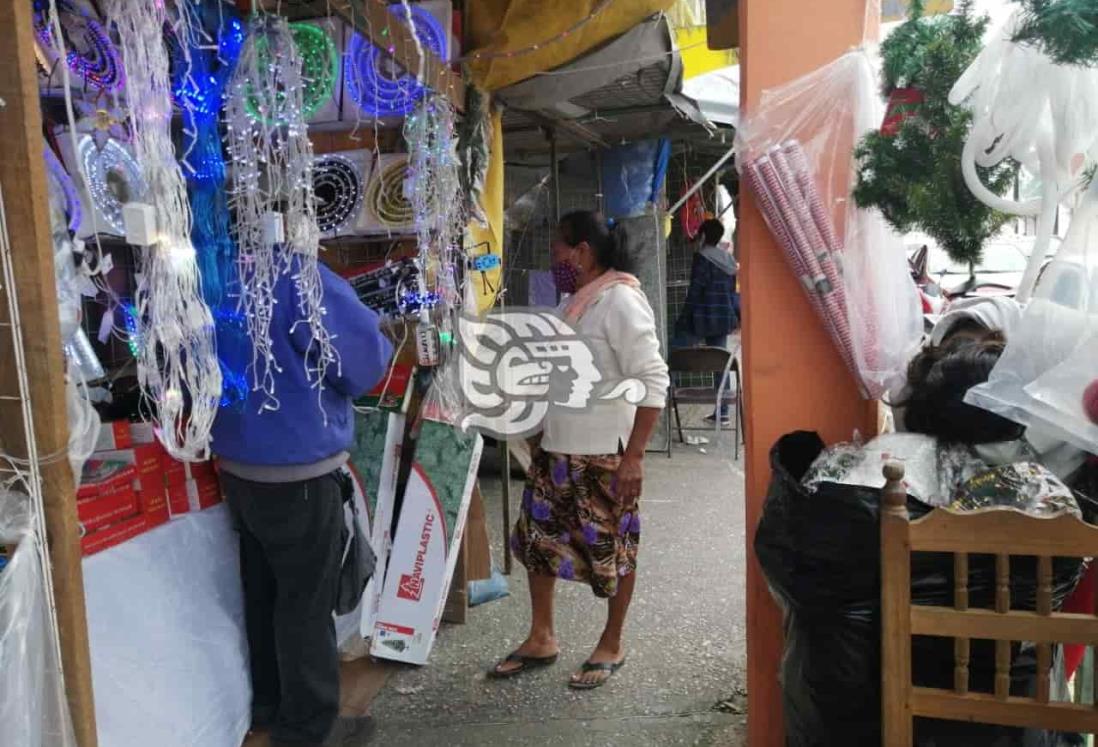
column 169, row 654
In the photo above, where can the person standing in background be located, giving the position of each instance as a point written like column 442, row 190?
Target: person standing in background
column 711, row 310
column 281, row 475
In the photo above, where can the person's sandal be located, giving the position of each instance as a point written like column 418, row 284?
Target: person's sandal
column 610, row 667
column 526, row 663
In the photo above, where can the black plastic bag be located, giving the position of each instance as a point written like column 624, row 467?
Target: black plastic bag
column 820, row 553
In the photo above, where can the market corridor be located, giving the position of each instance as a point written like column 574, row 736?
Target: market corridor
column 685, row 636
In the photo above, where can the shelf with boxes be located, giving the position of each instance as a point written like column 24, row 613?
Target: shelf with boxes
column 131, row 485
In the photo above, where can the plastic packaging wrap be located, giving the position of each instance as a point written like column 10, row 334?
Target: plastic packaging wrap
column 794, row 152
column 820, row 552
column 33, row 709
column 1051, row 358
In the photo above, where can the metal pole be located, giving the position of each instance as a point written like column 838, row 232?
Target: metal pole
column 555, row 166
column 505, row 467
column 703, row 180
column 600, row 199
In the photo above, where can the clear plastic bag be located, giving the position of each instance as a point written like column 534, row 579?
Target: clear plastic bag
column 795, row 152
column 1051, row 357
column 33, row 709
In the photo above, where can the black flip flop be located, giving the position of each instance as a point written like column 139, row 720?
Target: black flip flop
column 611, row 667
column 526, row 663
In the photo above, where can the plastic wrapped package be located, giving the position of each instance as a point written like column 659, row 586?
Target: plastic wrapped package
column 820, row 552
column 1047, row 372
column 33, row 709
column 794, row 150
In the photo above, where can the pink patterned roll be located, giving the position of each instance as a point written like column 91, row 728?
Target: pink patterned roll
column 774, row 220
column 798, row 161
column 783, row 198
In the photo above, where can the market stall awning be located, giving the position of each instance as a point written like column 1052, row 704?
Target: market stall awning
column 518, row 38
column 630, row 88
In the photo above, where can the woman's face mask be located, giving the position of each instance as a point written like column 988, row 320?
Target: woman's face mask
column 565, row 272
column 565, row 276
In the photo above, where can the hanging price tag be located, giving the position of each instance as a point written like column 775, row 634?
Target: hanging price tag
column 427, row 345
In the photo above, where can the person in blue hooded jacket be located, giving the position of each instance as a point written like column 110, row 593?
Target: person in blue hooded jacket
column 280, row 472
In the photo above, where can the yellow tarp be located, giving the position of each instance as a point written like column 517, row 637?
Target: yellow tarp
column 896, row 10
column 697, row 57
column 497, row 26
column 491, row 199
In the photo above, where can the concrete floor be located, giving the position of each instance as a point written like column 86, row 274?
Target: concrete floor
column 684, row 681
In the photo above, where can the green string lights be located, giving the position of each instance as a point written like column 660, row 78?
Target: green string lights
column 319, row 71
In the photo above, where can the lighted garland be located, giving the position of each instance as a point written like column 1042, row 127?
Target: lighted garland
column 200, row 74
column 385, row 198
column 338, row 190
column 113, row 177
column 273, row 185
column 177, row 363
column 376, row 82
column 319, row 72
column 64, row 185
column 91, row 54
column 433, row 187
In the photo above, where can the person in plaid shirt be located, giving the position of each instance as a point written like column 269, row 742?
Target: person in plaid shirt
column 712, row 309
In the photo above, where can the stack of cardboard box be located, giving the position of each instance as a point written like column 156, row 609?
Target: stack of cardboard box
column 131, row 484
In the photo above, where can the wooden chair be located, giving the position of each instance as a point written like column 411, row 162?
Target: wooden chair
column 1002, row 533
column 720, row 362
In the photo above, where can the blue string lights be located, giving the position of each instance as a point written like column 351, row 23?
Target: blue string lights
column 376, row 82
column 91, row 54
column 200, row 74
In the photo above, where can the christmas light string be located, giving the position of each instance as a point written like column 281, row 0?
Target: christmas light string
column 112, row 176
column 320, row 70
column 375, row 82
column 338, row 190
column 177, row 363
column 272, row 194
column 433, row 186
column 202, row 66
column 90, row 54
column 385, row 199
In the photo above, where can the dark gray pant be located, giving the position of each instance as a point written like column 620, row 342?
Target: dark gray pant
column 290, row 547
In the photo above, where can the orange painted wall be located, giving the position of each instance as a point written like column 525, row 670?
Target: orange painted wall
column 794, row 379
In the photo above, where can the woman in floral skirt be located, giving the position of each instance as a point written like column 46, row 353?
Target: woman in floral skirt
column 579, row 519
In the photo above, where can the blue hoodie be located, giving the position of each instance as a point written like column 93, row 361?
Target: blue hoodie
column 295, row 435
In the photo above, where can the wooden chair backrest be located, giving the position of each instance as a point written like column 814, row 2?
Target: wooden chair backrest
column 1002, row 533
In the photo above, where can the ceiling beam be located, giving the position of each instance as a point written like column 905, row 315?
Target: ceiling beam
column 568, row 127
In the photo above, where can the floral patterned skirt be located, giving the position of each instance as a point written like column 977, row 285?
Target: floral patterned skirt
column 572, row 525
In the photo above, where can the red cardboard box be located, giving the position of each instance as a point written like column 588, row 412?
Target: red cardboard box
column 152, row 494
column 113, row 535
column 178, row 498
column 110, row 508
column 114, row 435
column 102, row 477
column 200, row 470
column 203, row 493
column 175, row 471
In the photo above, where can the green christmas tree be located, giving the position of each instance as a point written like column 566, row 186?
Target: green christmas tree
column 911, row 170
column 1065, row 30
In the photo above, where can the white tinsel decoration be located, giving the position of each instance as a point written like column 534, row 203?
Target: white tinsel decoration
column 273, row 166
column 176, row 359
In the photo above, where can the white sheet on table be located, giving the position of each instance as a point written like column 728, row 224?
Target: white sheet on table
column 168, row 648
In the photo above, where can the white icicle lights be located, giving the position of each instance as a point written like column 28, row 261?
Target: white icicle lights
column 176, row 357
column 273, row 201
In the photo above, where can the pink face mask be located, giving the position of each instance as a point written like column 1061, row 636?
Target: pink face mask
column 565, row 276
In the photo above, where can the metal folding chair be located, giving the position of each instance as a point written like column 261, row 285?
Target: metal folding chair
column 719, row 362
